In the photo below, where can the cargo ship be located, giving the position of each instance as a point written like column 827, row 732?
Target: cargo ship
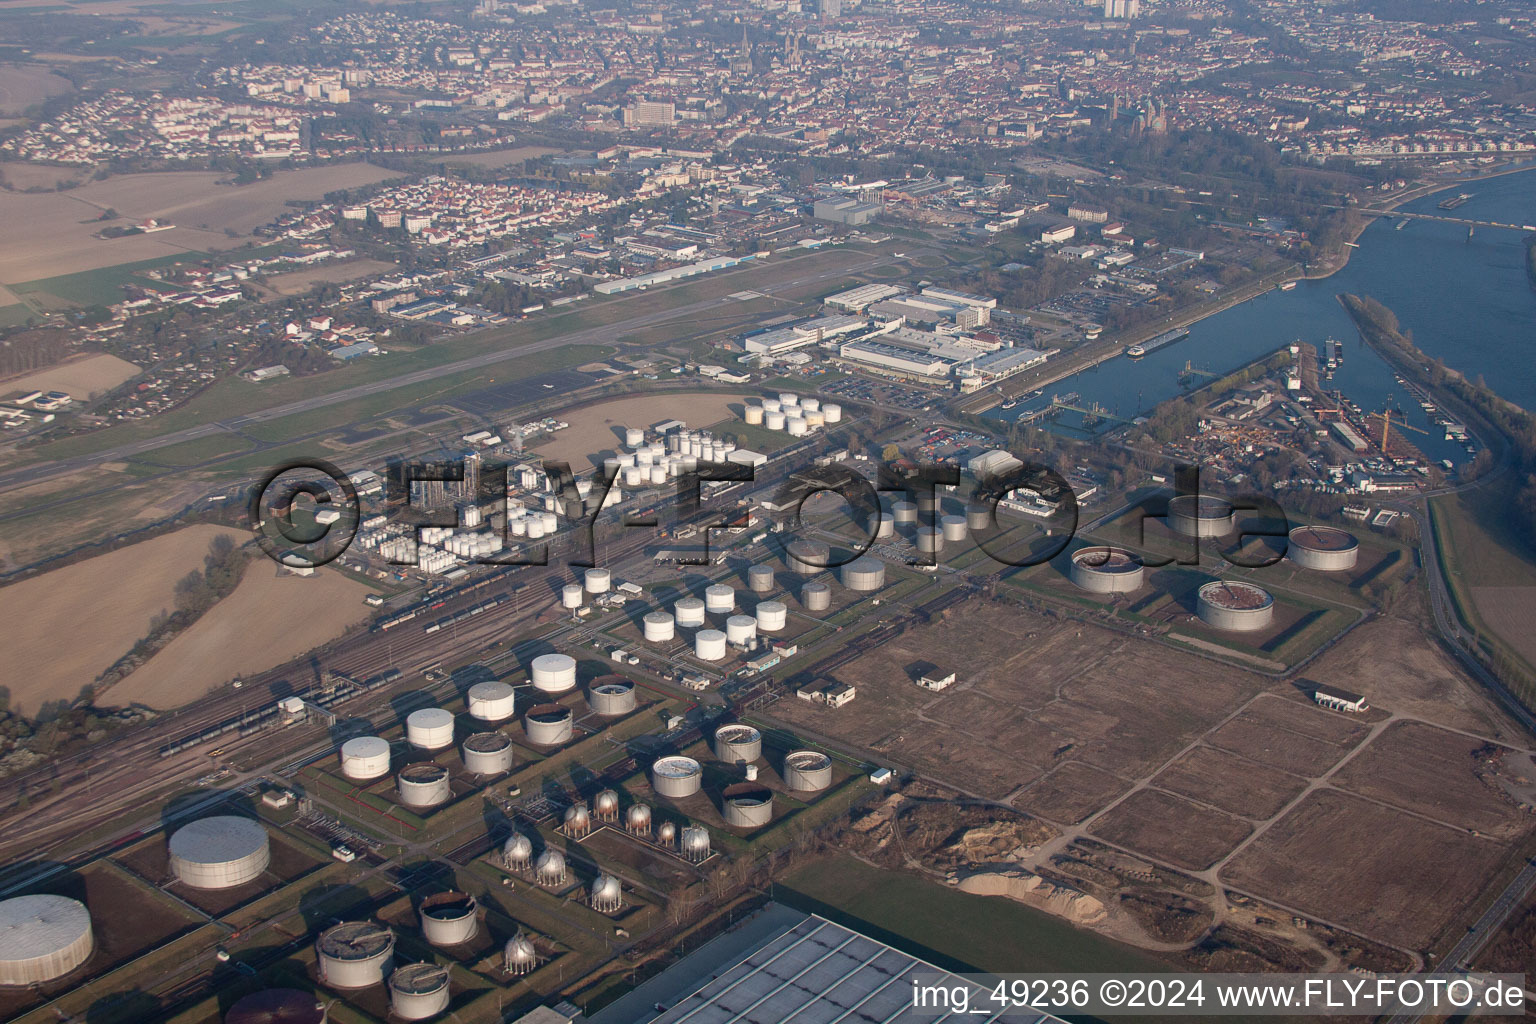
column 1288, row 286
column 1153, row 344
column 1455, row 201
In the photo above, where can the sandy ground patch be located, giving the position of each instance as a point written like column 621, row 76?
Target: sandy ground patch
column 82, row 377
column 301, row 281
column 66, row 627
column 53, row 233
column 598, row 430
column 265, row 622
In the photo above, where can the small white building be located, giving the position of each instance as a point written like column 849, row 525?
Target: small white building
column 936, row 680
column 1339, row 700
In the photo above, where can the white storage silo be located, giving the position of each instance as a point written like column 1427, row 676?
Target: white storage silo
column 797, row 426
column 634, row 476
column 786, row 399
column 429, row 728
column 816, row 597
column 658, row 475
column 634, row 437
column 418, row 991
column 44, row 937
column 904, row 512
column 772, row 405
column 449, row 918
column 550, row 868
column 709, row 645
column 570, row 597
column 689, row 612
column 658, row 627
column 738, row 743
column 597, row 581
column 487, row 753
column 864, row 574
column 774, row 420
column 740, row 630
column 772, row 616
column 808, row 557
column 354, row 954
column 810, row 404
column 954, row 527
column 676, row 776
column 760, row 579
column 719, row 598
column 833, row 412
column 607, row 894
column 492, row 701
column 930, row 540
column 807, row 770
column 219, row 852
column 612, row 695
column 814, row 419
column 364, row 758
column 423, row 785
column 553, row 673
column 753, row 415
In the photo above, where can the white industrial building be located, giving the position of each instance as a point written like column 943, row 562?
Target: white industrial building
column 856, row 300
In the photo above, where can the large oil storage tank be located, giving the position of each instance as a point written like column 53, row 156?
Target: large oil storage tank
column 904, row 512
column 553, row 673
column 807, row 770
column 689, row 612
column 219, row 852
column 930, row 540
column 816, row 597
column 658, row 627
column 43, row 937
column 364, row 758
column 746, row 805
column 418, row 991
column 880, row 525
column 760, row 579
column 676, row 776
column 978, row 517
column 492, row 701
column 719, row 598
column 1201, row 515
column 808, row 556
column 596, row 581
column 740, row 630
column 449, row 918
column 833, row 412
column 570, row 596
column 753, row 415
column 1323, row 548
column 549, row 725
column 277, row 1006
column 1102, row 569
column 355, row 954
column 772, row 616
column 774, row 419
column 423, row 785
column 611, row 696
column 738, row 743
column 709, row 645
column 864, row 574
column 487, row 753
column 430, row 728
column 1239, row 607
column 953, row 527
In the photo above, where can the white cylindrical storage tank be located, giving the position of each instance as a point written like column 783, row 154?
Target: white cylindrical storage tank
column 881, row 527
column 354, row 954
column 549, row 725
column 695, row 843
column 519, row 527
column 796, row 426
column 43, row 937
column 814, row 418
column 753, row 415
column 864, row 574
column 676, row 776
column 928, row 504
column 418, row 991
column 816, row 597
column 449, row 918
column 429, row 728
column 930, row 540
column 597, row 581
column 740, row 630
column 658, row 627
column 607, row 894
column 550, row 868
column 746, row 805
column 689, row 612
column 774, row 420
column 738, row 743
column 634, row 476
column 772, row 405
column 658, row 475
column 219, row 852
column 551, row 522
column 810, row 404
column 808, row 557
column 553, row 673
column 364, row 758
column 535, row 529
column 978, row 517
column 1201, row 515
column 833, row 412
column 1322, row 548
column 1102, row 569
column 904, row 511
column 772, row 616
column 492, row 701
column 719, row 598
column 760, row 579
column 807, row 771
column 634, row 437
column 1234, row 606
column 519, row 957
column 487, row 753
column 637, row 820
column 954, row 527
column 611, row 696
column 709, row 645
column 423, row 785
column 787, row 400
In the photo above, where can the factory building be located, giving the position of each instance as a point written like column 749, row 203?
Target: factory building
column 857, row 300
column 846, row 210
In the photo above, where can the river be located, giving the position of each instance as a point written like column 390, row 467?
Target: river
column 1466, row 301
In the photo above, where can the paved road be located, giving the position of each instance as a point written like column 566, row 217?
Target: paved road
column 28, row 475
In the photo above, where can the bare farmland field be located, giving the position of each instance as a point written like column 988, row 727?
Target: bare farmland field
column 1071, row 793
column 1376, row 869
column 1232, row 783
column 25, row 85
column 1509, row 611
column 296, row 615
column 82, row 376
column 498, row 157
column 21, row 176
column 1288, row 751
column 1170, row 829
column 200, row 208
column 301, row 281
column 117, row 593
column 597, row 430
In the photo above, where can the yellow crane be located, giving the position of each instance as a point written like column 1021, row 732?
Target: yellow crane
column 1386, row 427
